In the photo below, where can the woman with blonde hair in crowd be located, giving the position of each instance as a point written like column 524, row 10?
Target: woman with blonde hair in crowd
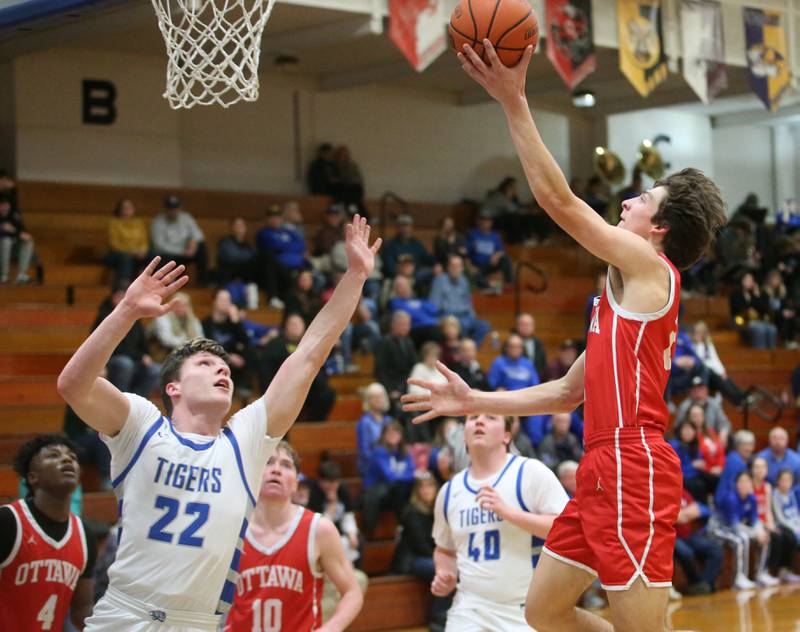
column 178, row 326
column 451, row 340
column 375, row 401
column 425, row 370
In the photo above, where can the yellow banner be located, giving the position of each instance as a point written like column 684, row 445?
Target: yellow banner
column 641, row 52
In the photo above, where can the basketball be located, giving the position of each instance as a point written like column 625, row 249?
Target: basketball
column 510, row 25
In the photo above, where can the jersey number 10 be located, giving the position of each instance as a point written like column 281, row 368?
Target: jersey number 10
column 272, row 610
column 491, row 546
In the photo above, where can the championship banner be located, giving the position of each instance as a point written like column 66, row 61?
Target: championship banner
column 570, row 46
column 703, row 48
column 417, row 28
column 765, row 42
column 641, row 53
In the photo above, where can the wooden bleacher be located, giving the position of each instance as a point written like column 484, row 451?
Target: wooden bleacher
column 40, row 326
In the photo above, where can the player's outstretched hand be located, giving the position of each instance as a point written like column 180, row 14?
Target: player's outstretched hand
column 360, row 256
column 146, row 295
column 503, row 84
column 443, row 583
column 442, row 400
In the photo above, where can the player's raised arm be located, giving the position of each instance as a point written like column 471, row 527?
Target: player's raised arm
column 287, row 391
column 95, row 400
column 622, row 249
column 454, row 398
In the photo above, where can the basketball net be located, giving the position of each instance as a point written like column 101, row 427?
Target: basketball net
column 213, row 47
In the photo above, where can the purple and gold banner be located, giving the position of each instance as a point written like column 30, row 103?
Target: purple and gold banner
column 765, row 42
column 641, row 51
column 570, row 45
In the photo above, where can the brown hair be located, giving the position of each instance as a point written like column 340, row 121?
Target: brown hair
column 423, row 478
column 289, row 449
column 171, row 369
column 393, row 425
column 694, row 211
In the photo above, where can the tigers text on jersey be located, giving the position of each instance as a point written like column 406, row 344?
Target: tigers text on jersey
column 39, row 577
column 279, row 588
column 628, row 361
column 495, row 558
column 184, row 501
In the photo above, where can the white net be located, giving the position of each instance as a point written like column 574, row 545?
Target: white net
column 213, row 48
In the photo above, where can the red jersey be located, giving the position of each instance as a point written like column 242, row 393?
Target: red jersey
column 712, row 450
column 279, row 588
column 760, row 492
column 628, row 361
column 39, row 577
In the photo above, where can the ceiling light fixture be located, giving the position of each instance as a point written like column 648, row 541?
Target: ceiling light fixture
column 583, row 99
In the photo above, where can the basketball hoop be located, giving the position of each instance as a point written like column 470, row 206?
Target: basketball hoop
column 213, row 47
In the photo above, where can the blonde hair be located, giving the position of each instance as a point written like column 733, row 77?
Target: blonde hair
column 184, row 327
column 372, row 389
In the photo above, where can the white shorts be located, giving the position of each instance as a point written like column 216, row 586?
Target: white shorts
column 469, row 615
column 116, row 612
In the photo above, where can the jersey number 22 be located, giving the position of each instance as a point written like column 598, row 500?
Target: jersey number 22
column 172, row 506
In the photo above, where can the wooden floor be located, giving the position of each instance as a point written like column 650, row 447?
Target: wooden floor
column 763, row 610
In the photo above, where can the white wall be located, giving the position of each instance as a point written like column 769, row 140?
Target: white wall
column 7, row 115
column 743, row 164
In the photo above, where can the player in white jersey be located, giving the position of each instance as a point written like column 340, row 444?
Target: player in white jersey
column 185, row 482
column 490, row 523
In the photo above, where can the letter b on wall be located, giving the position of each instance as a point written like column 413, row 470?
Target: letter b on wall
column 99, row 102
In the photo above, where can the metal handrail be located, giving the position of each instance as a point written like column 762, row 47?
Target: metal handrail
column 753, row 398
column 536, row 289
column 390, row 196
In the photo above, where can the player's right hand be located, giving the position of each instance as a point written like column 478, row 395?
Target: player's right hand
column 443, row 583
column 145, row 296
column 440, row 400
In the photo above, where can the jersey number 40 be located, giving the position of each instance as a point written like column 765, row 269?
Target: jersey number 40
column 491, row 546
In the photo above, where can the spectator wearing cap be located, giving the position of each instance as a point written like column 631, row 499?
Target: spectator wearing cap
column 533, row 346
column 779, row 456
column 321, row 176
column 452, row 294
column 404, row 243
column 568, row 352
column 715, row 417
column 13, row 238
column 236, row 256
column 487, row 253
column 282, row 252
column 175, row 235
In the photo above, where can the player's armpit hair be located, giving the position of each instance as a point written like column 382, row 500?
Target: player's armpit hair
column 25, row 455
column 171, row 368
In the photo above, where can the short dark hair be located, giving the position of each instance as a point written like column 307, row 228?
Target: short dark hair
column 694, row 211
column 289, row 449
column 26, row 453
column 329, row 471
column 171, row 368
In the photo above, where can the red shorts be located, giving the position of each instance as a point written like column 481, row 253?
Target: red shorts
column 621, row 523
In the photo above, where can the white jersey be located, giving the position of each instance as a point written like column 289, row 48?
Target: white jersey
column 495, row 558
column 184, row 504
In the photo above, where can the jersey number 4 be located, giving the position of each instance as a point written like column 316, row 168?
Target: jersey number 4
column 172, row 507
column 491, row 546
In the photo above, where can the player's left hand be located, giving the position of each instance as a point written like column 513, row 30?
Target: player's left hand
column 360, row 255
column 488, row 499
column 503, row 84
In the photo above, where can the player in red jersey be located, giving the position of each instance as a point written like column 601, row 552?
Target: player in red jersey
column 287, row 551
column 46, row 558
column 620, row 524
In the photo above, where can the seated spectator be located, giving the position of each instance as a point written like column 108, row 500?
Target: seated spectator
column 407, row 270
column 176, row 327
column 781, row 308
column 750, row 313
column 568, row 352
column 533, row 346
column 424, row 314
column 130, row 369
column 735, row 249
column 705, row 350
column 693, row 545
column 333, row 502
column 128, row 247
column 686, row 446
column 349, row 183
column 559, row 444
column 366, row 331
column 736, row 461
column 567, row 472
column 487, row 254
column 779, row 456
column 736, row 523
column 404, row 243
column 424, row 370
column 787, row 219
column 331, row 233
column 468, row 367
column 512, row 371
column 595, row 196
column 712, row 450
column 389, row 477
column 451, row 340
column 223, row 325
column 395, row 356
column 302, row 298
column 507, row 214
column 714, row 415
column 281, row 252
column 175, row 236
column 786, row 511
column 8, row 189
column 414, row 552
column 237, row 258
column 293, row 217
column 14, row 239
column 520, row 442
column 782, row 543
column 451, row 293
column 321, row 177
column 321, row 397
column 448, row 241
column 368, row 429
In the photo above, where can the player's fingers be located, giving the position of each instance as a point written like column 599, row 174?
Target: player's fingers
column 421, row 383
column 367, row 229
column 415, row 408
column 423, row 418
column 474, row 59
column 151, row 267
column 176, row 272
column 163, row 270
column 377, row 245
column 363, row 227
column 410, row 398
column 442, row 368
column 348, row 232
column 525, row 59
column 177, row 284
column 491, row 54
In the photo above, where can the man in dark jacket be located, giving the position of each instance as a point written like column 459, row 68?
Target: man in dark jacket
column 533, row 348
column 395, row 356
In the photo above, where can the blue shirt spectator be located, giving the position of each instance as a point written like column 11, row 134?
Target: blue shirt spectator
column 370, row 425
column 779, row 456
column 736, row 461
column 452, row 294
column 404, row 243
column 732, row 509
column 387, row 466
column 482, row 245
column 285, row 244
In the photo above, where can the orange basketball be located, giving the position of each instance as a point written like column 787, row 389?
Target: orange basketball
column 510, row 25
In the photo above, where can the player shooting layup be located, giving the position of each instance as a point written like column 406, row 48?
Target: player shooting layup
column 184, row 482
column 620, row 523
